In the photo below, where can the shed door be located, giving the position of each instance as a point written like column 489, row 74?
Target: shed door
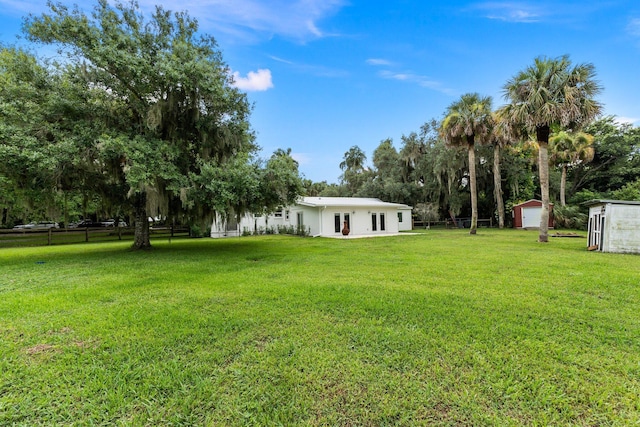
column 531, row 217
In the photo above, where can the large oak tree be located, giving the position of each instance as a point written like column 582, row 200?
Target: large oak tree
column 166, row 100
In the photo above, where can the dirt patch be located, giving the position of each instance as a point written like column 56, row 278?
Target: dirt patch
column 40, row 349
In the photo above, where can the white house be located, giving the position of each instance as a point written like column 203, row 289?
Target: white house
column 614, row 226
column 326, row 216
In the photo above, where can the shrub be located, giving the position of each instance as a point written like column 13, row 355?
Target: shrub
column 569, row 217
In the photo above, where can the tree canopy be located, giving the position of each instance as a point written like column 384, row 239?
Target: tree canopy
column 143, row 111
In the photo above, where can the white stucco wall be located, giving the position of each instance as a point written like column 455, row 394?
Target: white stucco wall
column 319, row 220
column 407, row 221
column 620, row 232
column 361, row 221
column 622, row 229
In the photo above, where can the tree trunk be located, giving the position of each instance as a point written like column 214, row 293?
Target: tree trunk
column 497, row 185
column 472, row 189
column 141, row 229
column 543, row 168
column 563, row 185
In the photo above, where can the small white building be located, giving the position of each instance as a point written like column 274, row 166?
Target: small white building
column 326, row 216
column 614, row 226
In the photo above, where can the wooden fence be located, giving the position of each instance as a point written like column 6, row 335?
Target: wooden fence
column 460, row 223
column 61, row 236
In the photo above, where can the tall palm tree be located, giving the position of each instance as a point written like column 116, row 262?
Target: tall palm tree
column 468, row 121
column 502, row 135
column 353, row 160
column 353, row 167
column 551, row 92
column 570, row 149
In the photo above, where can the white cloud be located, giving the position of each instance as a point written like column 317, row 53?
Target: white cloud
column 247, row 19
column 510, row 11
column 378, row 61
column 284, row 61
column 634, row 27
column 420, row 80
column 301, row 158
column 628, row 120
column 255, row 81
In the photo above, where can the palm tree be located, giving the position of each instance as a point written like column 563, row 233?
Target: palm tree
column 551, row 92
column 468, row 121
column 570, row 149
column 353, row 160
column 353, row 167
column 502, row 135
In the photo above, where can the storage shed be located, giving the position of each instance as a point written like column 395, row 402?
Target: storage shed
column 527, row 214
column 614, row 226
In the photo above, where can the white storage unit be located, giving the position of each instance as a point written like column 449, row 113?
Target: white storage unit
column 614, row 226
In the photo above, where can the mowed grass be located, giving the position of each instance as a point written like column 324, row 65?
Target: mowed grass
column 440, row 328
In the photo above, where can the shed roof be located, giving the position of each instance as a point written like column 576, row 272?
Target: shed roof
column 531, row 202
column 610, row 202
column 352, row 202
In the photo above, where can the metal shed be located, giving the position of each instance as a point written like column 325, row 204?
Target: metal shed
column 527, row 214
column 614, row 226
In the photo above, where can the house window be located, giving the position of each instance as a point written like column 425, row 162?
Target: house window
column 347, row 218
column 336, row 222
column 382, row 227
column 278, row 213
column 300, row 222
column 286, row 215
column 399, row 216
column 374, row 222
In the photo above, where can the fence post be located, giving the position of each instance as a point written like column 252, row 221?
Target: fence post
column 49, row 237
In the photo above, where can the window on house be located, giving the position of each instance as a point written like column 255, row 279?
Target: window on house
column 347, row 218
column 278, row 213
column 336, row 222
column 286, row 215
column 382, row 225
column 399, row 216
column 374, row 222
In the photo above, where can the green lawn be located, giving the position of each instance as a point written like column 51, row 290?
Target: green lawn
column 440, row 328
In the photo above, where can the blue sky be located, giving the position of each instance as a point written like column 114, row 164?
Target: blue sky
column 325, row 75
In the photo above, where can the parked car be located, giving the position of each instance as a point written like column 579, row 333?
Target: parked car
column 85, row 223
column 112, row 223
column 42, row 225
column 23, row 226
column 46, row 225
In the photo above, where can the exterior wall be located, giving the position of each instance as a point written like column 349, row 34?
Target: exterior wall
column 620, row 230
column 310, row 219
column 527, row 208
column 407, row 221
column 321, row 220
column 224, row 229
column 360, row 220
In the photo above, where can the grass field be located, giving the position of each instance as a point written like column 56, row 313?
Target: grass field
column 440, row 328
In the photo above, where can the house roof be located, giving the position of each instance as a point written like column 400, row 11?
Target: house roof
column 611, row 202
column 352, row 202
